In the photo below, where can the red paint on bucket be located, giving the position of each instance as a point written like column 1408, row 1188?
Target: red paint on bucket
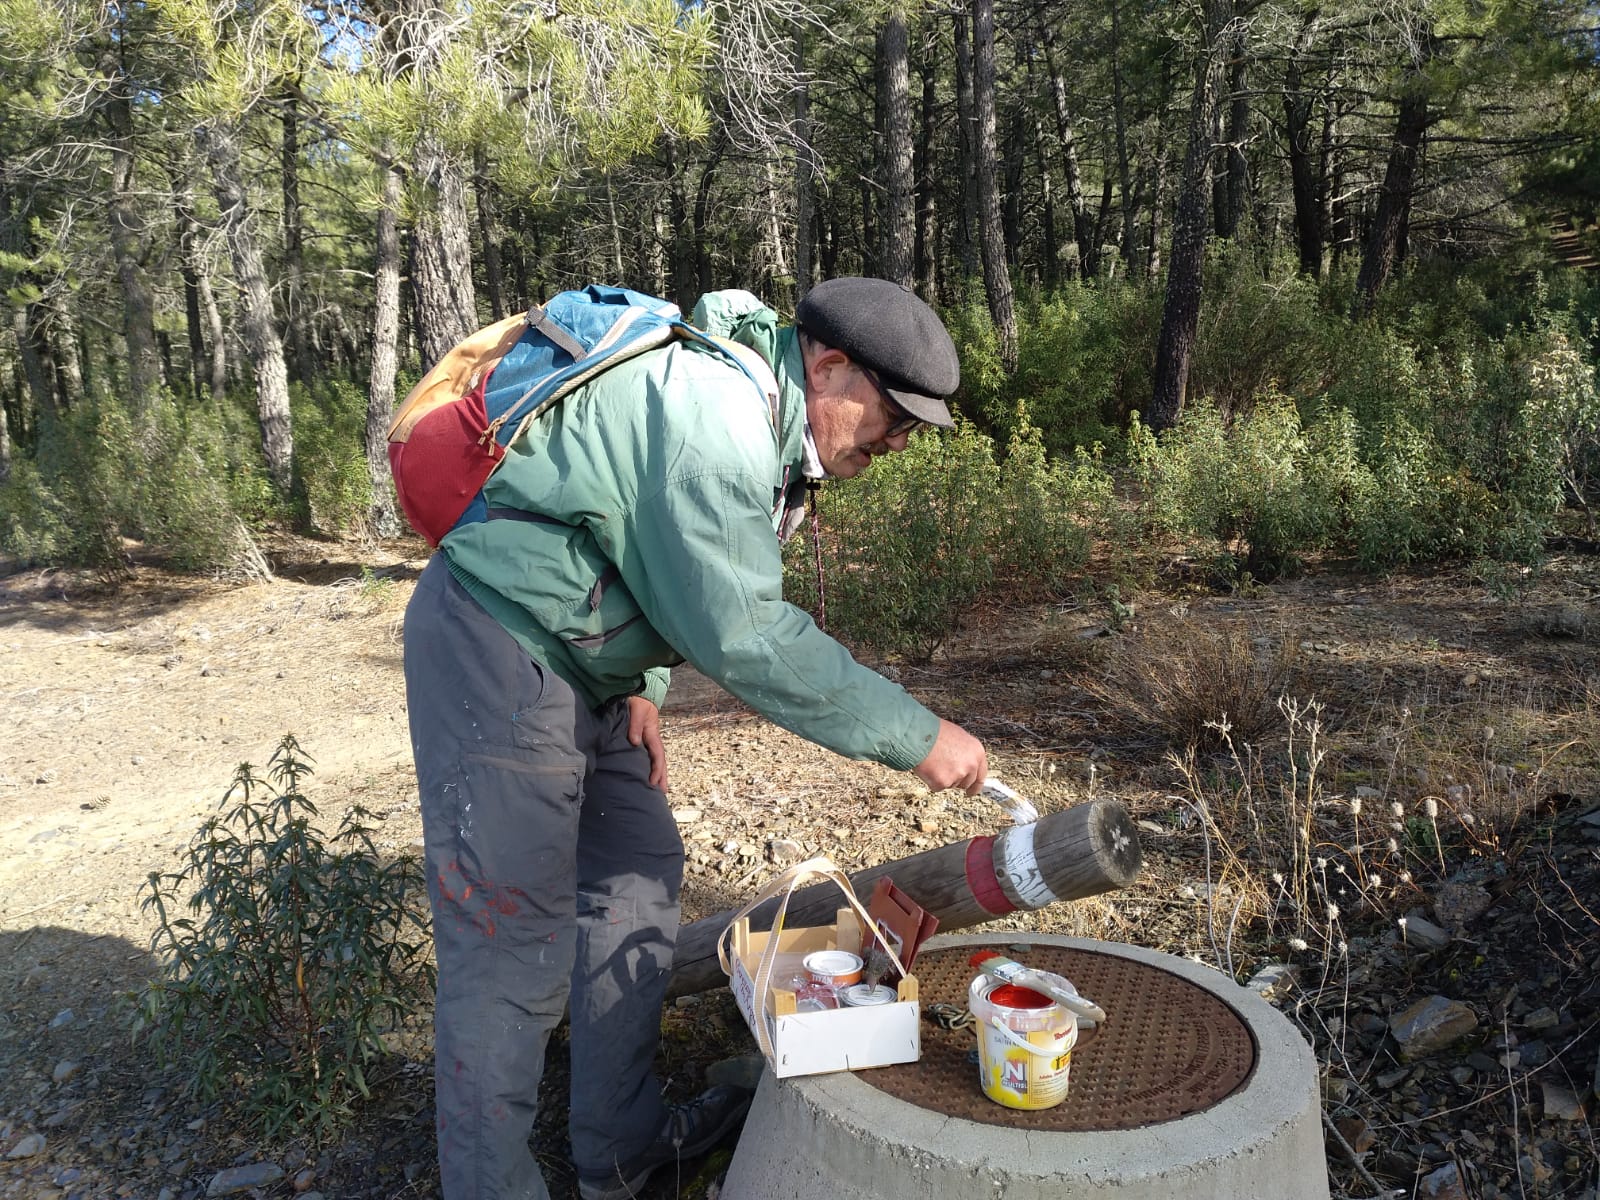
column 1011, row 996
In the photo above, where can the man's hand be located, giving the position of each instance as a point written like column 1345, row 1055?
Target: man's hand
column 644, row 729
column 957, row 760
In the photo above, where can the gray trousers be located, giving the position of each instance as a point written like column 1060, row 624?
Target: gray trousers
column 553, row 871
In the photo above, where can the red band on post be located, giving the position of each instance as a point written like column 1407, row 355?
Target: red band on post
column 981, row 878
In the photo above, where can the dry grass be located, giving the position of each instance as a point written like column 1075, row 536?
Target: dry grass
column 1185, row 682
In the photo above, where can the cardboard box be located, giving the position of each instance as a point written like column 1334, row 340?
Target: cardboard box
column 813, row 1043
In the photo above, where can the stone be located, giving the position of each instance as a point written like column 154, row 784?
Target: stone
column 1457, row 904
column 1541, row 1019
column 1272, row 979
column 304, row 1179
column 1150, row 826
column 686, row 816
column 30, row 1145
column 242, row 1179
column 1442, row 1184
column 1430, row 1025
column 65, row 1070
column 785, row 850
column 64, row 1017
column 1561, row 1104
column 1535, row 1054
column 62, row 1115
column 1421, row 933
column 1394, row 1078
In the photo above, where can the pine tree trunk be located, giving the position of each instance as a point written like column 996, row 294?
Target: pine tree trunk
column 219, row 339
column 128, row 245
column 774, row 229
column 1119, row 111
column 1335, row 208
column 299, row 354
column 441, row 246
column 1304, row 174
column 1017, row 138
column 189, row 270
column 1067, row 144
column 702, row 225
column 1387, row 236
column 1047, row 213
column 925, row 251
column 36, row 367
column 381, row 514
column 1158, row 181
column 804, row 170
column 896, row 230
column 61, row 330
column 489, row 235
column 1233, row 194
column 258, row 324
column 1180, row 316
column 996, row 275
column 966, row 114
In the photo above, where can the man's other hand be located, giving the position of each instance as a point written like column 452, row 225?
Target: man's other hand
column 957, row 760
column 644, row 729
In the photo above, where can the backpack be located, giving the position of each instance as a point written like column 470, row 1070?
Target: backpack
column 453, row 429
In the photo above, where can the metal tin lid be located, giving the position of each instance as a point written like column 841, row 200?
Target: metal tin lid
column 860, row 995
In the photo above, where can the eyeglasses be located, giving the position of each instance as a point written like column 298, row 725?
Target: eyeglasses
column 900, row 421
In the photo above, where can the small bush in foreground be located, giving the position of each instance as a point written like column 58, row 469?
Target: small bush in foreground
column 300, row 953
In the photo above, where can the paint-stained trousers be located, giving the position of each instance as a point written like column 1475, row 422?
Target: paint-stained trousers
column 553, row 867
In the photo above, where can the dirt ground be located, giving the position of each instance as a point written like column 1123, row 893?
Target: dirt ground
column 127, row 710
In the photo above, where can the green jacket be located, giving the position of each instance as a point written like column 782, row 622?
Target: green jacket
column 647, row 507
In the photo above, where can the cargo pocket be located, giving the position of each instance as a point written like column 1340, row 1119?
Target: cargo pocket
column 508, row 865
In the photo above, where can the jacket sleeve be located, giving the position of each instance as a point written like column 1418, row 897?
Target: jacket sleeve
column 701, row 559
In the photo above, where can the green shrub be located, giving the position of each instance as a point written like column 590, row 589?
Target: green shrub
column 103, row 474
column 299, row 954
column 904, row 544
column 330, row 457
column 1084, row 357
column 1248, row 486
column 1260, row 332
column 915, row 540
column 35, row 527
column 180, row 500
column 1045, row 512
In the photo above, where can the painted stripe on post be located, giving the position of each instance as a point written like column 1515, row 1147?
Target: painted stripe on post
column 982, row 881
column 1020, row 866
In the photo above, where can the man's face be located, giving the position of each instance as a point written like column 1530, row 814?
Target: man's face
column 850, row 417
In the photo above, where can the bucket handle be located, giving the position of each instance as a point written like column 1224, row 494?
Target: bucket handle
column 1023, row 1043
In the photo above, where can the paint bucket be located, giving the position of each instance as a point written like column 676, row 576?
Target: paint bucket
column 1025, row 1042
column 836, row 968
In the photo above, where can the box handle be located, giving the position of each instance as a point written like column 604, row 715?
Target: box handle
column 784, row 884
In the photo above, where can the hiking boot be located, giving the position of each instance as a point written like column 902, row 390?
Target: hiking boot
column 690, row 1130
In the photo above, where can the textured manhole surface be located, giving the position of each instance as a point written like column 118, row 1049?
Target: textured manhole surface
column 1168, row 1047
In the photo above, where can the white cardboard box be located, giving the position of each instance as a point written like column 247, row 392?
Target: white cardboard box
column 813, row 1043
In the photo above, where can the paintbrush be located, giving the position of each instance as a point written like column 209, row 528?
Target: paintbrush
column 877, row 965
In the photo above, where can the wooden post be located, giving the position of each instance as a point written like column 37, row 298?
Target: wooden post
column 1083, row 851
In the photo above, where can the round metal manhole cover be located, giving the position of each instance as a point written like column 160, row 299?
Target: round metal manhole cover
column 1168, row 1047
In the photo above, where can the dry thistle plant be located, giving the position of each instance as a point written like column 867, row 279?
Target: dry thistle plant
column 1195, row 682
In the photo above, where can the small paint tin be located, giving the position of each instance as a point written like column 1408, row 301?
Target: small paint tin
column 836, row 968
column 860, row 995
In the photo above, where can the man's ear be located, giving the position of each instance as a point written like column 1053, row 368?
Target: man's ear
column 823, row 367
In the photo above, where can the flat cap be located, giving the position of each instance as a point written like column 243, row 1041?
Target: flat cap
column 888, row 328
